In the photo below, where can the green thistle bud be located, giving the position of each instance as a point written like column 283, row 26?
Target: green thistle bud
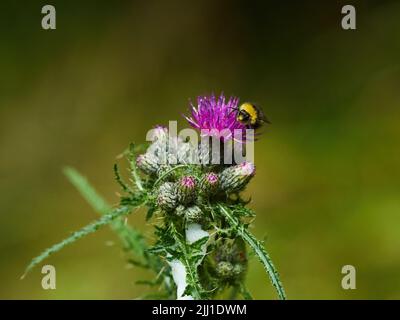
column 180, row 210
column 225, row 270
column 163, row 169
column 238, row 269
column 148, row 163
column 193, row 214
column 230, row 259
column 209, row 183
column 186, row 189
column 232, row 250
column 235, row 178
column 166, row 198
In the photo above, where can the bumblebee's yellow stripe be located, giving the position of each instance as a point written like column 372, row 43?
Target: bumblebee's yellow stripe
column 251, row 110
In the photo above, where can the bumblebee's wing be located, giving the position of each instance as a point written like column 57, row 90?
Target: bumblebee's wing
column 261, row 115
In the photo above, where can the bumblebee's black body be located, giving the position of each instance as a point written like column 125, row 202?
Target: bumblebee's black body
column 251, row 115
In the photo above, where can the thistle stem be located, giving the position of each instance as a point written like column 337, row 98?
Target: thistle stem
column 258, row 249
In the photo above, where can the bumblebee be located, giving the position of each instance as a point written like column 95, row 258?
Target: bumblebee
column 251, row 115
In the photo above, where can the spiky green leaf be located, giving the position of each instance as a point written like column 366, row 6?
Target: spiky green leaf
column 257, row 247
column 90, row 228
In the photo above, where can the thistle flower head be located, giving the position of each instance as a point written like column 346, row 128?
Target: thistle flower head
column 246, row 168
column 235, row 178
column 166, row 197
column 211, row 178
column 186, row 189
column 148, row 163
column 209, row 183
column 188, row 182
column 165, row 168
column 217, row 115
column 193, row 214
column 180, row 210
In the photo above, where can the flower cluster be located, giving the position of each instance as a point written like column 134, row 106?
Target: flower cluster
column 201, row 225
column 184, row 194
column 178, row 189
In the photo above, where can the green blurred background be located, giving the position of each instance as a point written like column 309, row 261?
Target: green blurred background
column 327, row 185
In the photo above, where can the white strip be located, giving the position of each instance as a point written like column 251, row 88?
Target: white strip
column 194, row 232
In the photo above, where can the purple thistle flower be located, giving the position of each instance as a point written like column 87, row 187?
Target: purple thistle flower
column 211, row 178
column 148, row 163
column 186, row 189
column 209, row 183
column 247, row 168
column 188, row 182
column 218, row 115
column 235, row 178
